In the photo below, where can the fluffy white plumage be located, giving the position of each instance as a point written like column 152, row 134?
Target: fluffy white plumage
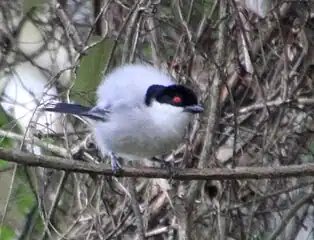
column 140, row 113
column 133, row 130
column 132, row 78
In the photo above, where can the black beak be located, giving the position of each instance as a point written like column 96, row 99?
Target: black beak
column 194, row 109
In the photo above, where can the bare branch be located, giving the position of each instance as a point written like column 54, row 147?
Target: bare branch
column 182, row 174
column 69, row 28
column 291, row 213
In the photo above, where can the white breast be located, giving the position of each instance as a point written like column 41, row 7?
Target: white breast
column 143, row 132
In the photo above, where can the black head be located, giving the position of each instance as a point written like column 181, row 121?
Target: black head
column 175, row 95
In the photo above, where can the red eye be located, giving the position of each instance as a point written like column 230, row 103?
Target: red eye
column 176, row 99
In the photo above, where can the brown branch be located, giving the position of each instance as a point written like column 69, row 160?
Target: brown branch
column 69, row 28
column 273, row 103
column 97, row 11
column 180, row 174
column 136, row 210
column 212, row 111
column 290, row 214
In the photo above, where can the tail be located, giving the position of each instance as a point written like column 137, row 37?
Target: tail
column 75, row 109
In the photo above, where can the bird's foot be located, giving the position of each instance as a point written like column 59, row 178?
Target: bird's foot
column 115, row 165
column 170, row 167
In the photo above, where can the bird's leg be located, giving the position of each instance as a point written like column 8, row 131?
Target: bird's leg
column 169, row 165
column 115, row 165
column 164, row 164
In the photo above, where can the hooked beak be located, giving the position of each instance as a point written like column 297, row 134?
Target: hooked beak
column 194, row 109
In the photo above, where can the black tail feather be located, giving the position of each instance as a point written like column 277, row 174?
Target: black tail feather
column 75, row 109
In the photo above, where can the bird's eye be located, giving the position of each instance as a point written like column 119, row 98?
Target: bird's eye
column 176, row 99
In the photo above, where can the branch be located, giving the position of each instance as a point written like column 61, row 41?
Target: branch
column 69, row 28
column 290, row 214
column 180, row 174
column 273, row 103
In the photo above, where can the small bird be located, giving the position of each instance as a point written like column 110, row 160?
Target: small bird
column 140, row 113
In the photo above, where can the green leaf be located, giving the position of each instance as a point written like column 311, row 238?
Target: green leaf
column 30, row 4
column 4, row 142
column 24, row 198
column 3, row 164
column 147, row 50
column 90, row 73
column 6, row 233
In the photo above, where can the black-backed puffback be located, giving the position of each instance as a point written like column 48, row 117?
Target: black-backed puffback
column 140, row 112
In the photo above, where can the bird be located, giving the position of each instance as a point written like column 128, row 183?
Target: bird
column 140, row 113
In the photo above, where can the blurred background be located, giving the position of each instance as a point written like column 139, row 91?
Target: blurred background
column 251, row 64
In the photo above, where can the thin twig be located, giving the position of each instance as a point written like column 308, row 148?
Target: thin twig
column 273, row 103
column 212, row 106
column 48, row 146
column 290, row 214
column 59, row 191
column 136, row 209
column 69, row 28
